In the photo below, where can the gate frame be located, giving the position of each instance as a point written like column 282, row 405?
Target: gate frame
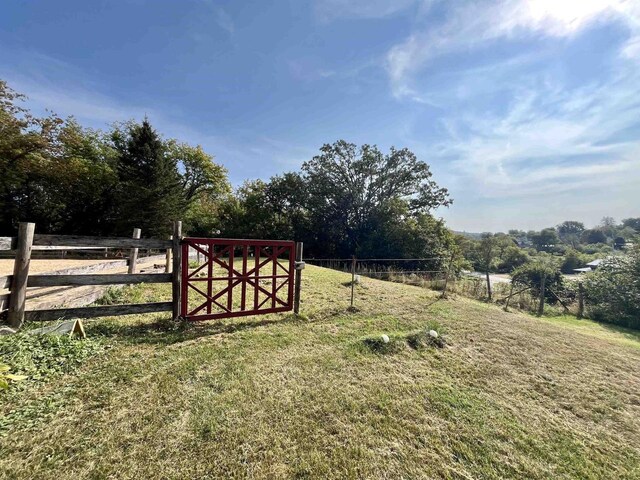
column 235, row 277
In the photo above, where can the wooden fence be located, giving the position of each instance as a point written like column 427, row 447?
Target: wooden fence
column 27, row 241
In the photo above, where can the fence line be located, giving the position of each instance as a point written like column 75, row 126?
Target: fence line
column 373, row 259
column 27, row 241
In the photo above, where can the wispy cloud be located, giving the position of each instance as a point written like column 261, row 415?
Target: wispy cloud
column 224, row 20
column 328, row 10
column 550, row 140
column 471, row 25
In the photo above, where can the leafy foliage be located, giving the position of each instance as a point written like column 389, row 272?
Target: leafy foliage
column 613, row 291
column 530, row 274
column 41, row 356
column 6, row 377
column 346, row 201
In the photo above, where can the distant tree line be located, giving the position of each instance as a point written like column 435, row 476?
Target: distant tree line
column 346, row 200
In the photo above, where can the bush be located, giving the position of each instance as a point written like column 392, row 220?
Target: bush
column 530, row 274
column 572, row 260
column 613, row 291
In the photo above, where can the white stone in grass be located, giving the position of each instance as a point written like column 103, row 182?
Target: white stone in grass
column 433, row 334
column 385, row 338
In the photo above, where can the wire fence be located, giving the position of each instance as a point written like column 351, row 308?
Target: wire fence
column 430, row 272
column 438, row 273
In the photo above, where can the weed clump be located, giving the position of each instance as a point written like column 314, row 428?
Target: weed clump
column 424, row 339
column 42, row 356
column 383, row 344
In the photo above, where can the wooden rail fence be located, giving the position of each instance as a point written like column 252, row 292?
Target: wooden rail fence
column 27, row 241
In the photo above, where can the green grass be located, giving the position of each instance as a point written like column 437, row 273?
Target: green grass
column 509, row 395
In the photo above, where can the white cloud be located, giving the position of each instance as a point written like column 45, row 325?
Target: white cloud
column 549, row 140
column 469, row 25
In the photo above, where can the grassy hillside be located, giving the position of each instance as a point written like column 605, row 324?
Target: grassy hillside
column 509, row 396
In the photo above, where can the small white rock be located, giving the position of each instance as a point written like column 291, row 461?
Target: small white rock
column 385, row 338
column 433, row 333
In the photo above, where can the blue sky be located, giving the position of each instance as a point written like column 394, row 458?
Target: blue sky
column 527, row 110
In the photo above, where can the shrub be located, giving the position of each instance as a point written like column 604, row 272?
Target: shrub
column 530, row 274
column 613, row 291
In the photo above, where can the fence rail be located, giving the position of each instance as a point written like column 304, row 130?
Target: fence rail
column 27, row 241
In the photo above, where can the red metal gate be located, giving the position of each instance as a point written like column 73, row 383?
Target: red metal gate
column 257, row 271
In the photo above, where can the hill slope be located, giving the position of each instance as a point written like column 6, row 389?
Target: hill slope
column 273, row 396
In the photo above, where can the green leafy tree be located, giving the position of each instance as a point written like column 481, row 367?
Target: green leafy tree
column 26, row 145
column 594, row 236
column 348, row 190
column 545, row 240
column 570, row 231
column 633, row 223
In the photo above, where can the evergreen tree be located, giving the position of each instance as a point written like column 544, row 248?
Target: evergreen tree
column 150, row 192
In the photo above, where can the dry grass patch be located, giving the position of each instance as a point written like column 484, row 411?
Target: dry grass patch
column 281, row 397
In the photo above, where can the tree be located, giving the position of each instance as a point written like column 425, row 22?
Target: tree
column 26, row 145
column 348, row 189
column 200, row 173
column 150, row 192
column 608, row 226
column 488, row 250
column 545, row 240
column 512, row 258
column 632, row 223
column 570, row 231
column 594, row 236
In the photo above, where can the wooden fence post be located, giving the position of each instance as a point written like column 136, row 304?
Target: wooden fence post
column 177, row 268
column 508, row 299
column 353, row 277
column 167, row 264
column 299, row 265
column 446, row 279
column 541, row 305
column 580, row 300
column 18, row 297
column 133, row 255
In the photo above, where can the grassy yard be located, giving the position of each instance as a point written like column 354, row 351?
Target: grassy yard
column 510, row 395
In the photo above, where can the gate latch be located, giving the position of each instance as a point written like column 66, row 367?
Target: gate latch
column 300, row 265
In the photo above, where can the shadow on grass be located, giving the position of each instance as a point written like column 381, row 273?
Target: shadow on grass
column 626, row 332
column 164, row 331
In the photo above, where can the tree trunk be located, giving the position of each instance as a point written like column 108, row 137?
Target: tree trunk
column 488, row 285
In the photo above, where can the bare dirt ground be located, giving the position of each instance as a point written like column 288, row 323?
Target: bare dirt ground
column 49, row 264
column 54, row 297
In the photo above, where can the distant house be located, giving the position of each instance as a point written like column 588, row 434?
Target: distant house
column 595, row 263
column 591, row 266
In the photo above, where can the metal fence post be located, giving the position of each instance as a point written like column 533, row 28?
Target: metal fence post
column 18, row 298
column 177, row 268
column 133, row 255
column 299, row 265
